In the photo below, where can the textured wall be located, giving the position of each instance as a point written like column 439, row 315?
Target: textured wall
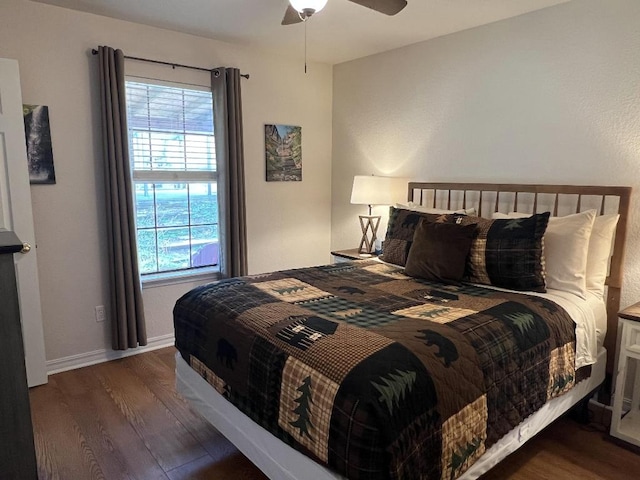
column 288, row 223
column 552, row 96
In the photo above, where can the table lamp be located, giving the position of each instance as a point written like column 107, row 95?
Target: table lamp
column 372, row 190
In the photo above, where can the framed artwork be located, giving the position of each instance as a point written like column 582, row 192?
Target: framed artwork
column 283, row 153
column 39, row 151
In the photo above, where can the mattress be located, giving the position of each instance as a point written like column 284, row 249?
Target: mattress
column 407, row 378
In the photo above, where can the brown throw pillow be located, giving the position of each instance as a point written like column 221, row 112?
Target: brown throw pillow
column 401, row 229
column 439, row 251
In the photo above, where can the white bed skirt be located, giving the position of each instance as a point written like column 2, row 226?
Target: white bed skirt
column 281, row 462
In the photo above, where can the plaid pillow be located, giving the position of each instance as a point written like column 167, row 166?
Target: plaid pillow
column 401, row 228
column 509, row 253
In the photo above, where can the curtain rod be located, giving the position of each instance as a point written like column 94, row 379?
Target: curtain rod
column 174, row 65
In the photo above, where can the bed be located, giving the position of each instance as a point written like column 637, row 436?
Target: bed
column 381, row 374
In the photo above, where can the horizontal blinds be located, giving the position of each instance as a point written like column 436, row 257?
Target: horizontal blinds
column 167, row 176
column 170, row 130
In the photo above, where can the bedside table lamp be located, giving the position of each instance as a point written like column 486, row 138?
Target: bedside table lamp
column 371, row 190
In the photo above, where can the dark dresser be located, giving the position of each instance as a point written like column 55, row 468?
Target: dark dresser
column 17, row 453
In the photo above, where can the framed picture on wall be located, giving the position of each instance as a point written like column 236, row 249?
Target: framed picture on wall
column 39, row 150
column 283, row 153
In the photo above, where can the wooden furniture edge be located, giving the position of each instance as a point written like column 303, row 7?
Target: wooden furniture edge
column 353, row 253
column 9, row 242
column 632, row 312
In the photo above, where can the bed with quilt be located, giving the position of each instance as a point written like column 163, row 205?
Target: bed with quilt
column 415, row 367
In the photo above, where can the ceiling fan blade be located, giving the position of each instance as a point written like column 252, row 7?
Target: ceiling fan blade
column 291, row 16
column 388, row 7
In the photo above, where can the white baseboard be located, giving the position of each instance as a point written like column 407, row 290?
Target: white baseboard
column 99, row 356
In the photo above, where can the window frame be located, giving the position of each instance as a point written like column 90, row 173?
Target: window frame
column 188, row 275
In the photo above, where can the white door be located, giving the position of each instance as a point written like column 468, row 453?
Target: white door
column 16, row 215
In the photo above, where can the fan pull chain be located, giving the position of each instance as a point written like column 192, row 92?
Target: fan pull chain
column 305, row 47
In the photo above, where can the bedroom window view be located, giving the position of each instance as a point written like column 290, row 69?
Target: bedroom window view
column 173, row 158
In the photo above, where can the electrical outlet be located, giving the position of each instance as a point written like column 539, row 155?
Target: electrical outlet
column 100, row 313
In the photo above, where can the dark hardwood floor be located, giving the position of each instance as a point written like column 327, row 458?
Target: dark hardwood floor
column 124, row 420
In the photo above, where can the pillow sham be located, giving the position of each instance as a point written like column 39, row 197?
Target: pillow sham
column 416, row 207
column 600, row 244
column 401, row 229
column 508, row 253
column 439, row 251
column 566, row 245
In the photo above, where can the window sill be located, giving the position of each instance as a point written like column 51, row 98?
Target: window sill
column 163, row 279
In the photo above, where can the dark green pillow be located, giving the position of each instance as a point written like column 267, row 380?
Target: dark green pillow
column 439, row 251
column 509, row 253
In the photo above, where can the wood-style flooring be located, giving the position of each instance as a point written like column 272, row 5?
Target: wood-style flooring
column 124, row 420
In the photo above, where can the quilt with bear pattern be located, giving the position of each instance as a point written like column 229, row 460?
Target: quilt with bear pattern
column 375, row 374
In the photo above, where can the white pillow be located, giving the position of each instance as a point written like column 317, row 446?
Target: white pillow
column 600, row 244
column 416, row 207
column 498, row 215
column 566, row 246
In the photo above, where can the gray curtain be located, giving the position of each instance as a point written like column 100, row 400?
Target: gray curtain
column 227, row 113
column 127, row 313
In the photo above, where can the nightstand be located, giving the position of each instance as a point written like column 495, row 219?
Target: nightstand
column 625, row 421
column 351, row 254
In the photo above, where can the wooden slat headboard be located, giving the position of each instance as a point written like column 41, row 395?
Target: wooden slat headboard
column 541, row 198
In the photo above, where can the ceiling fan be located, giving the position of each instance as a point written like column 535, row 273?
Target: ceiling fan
column 300, row 10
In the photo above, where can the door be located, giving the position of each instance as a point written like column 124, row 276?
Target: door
column 16, row 215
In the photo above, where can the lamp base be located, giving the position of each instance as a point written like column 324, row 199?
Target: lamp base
column 369, row 225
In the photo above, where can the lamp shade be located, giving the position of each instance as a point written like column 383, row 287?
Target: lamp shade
column 302, row 5
column 372, row 190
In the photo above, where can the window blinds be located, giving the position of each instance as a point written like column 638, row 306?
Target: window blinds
column 170, row 131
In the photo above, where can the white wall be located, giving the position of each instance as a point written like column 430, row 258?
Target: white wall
column 552, row 96
column 288, row 223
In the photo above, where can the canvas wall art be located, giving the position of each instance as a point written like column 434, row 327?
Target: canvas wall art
column 283, row 151
column 39, row 150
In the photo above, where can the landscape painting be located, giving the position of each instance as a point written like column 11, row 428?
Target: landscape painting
column 283, row 150
column 38, row 137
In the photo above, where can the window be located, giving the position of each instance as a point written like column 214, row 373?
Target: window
column 173, row 159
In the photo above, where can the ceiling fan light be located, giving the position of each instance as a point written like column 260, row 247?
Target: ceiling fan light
column 306, row 5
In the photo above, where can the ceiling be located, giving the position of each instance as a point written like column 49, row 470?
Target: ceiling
column 341, row 32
